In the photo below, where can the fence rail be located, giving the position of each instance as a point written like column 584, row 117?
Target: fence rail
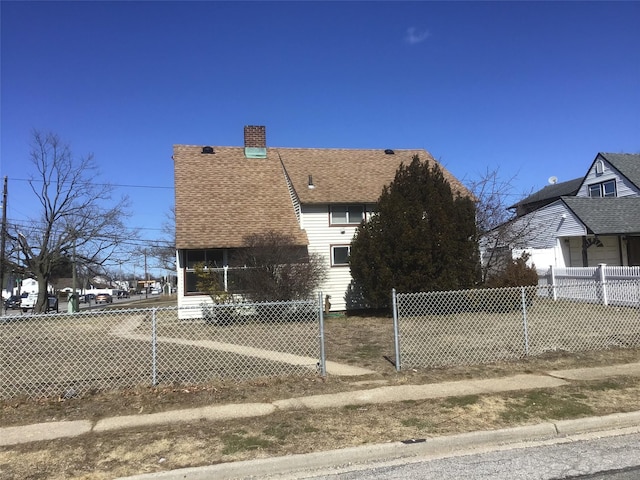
column 70, row 354
column 481, row 326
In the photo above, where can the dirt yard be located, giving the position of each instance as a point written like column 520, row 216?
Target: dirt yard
column 365, row 342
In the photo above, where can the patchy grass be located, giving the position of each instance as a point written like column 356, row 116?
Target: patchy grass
column 417, row 423
column 464, row 401
column 240, row 442
column 544, row 404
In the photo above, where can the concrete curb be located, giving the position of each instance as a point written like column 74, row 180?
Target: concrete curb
column 595, row 424
column 431, row 448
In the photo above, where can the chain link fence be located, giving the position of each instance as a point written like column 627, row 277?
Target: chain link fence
column 488, row 325
column 48, row 355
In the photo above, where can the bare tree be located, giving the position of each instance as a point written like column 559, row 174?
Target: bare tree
column 163, row 251
column 77, row 218
column 278, row 269
column 499, row 230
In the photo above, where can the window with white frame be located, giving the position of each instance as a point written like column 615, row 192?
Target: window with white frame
column 603, row 189
column 346, row 214
column 340, row 255
column 211, row 258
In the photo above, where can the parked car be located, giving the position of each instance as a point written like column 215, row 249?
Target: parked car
column 28, row 301
column 87, row 298
column 13, row 302
column 104, row 298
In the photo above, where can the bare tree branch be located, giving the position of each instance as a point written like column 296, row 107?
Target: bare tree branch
column 78, row 216
column 498, row 228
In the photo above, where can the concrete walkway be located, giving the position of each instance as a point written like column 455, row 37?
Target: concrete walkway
column 126, row 329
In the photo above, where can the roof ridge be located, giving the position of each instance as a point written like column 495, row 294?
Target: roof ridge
column 309, row 148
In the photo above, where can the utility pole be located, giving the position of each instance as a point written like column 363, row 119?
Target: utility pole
column 75, row 304
column 146, row 276
column 3, row 241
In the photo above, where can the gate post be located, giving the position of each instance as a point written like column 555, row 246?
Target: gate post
column 396, row 333
column 603, row 282
column 323, row 359
column 154, row 348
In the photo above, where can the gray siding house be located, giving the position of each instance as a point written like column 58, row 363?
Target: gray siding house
column 584, row 222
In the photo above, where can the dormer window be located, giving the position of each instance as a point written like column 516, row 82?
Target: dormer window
column 346, row 214
column 603, row 189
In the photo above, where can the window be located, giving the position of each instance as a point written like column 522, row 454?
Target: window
column 604, row 189
column 340, row 255
column 346, row 214
column 213, row 258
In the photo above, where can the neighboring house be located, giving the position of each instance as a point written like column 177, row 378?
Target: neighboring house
column 317, row 196
column 582, row 222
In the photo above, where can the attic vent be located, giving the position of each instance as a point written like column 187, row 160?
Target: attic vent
column 388, row 151
column 207, row 150
column 599, row 167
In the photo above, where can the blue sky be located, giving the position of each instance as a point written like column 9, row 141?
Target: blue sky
column 534, row 89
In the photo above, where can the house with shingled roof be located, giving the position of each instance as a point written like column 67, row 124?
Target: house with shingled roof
column 318, row 196
column 584, row 222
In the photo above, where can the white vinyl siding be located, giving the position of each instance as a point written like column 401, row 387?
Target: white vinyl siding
column 548, row 223
column 623, row 187
column 546, row 230
column 322, row 237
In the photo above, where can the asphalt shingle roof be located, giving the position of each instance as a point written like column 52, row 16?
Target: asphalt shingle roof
column 222, row 197
column 608, row 215
column 626, row 163
column 348, row 175
column 552, row 192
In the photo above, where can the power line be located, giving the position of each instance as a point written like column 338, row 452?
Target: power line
column 132, row 242
column 101, row 184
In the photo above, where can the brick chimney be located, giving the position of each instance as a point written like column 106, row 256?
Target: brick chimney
column 255, row 141
column 255, row 136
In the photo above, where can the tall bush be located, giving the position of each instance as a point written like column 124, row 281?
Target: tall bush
column 515, row 274
column 421, row 237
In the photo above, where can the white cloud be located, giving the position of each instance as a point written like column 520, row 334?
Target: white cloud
column 414, row 36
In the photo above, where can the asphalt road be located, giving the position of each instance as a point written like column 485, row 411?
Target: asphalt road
column 597, row 458
column 62, row 305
